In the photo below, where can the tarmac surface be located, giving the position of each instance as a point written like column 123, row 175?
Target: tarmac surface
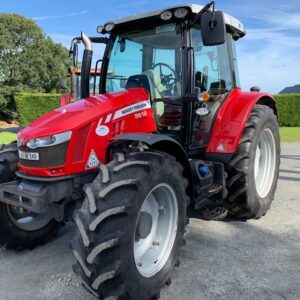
column 229, row 259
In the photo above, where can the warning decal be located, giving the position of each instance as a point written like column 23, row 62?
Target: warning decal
column 93, row 161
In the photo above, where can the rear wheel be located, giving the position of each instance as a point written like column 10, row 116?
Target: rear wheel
column 254, row 168
column 20, row 229
column 131, row 226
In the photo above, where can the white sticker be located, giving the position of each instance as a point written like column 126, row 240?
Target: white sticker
column 102, row 130
column 165, row 28
column 93, row 161
column 220, row 147
column 131, row 109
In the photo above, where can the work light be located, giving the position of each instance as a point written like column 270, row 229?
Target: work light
column 181, row 13
column 166, row 15
column 109, row 27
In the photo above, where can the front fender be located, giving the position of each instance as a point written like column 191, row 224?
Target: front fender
column 232, row 118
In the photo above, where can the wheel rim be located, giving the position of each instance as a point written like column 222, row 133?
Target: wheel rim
column 28, row 221
column 153, row 247
column 265, row 163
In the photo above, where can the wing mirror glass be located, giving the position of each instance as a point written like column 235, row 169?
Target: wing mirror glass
column 75, row 54
column 213, row 28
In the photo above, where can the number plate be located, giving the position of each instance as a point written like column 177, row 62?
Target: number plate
column 29, row 155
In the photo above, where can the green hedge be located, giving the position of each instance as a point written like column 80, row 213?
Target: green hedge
column 31, row 106
column 288, row 108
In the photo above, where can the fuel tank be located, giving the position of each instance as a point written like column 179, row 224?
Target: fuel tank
column 86, row 126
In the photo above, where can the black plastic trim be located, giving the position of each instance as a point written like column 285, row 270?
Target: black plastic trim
column 35, row 196
column 57, row 178
column 49, row 157
column 148, row 138
column 218, row 157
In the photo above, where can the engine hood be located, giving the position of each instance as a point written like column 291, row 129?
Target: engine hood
column 81, row 112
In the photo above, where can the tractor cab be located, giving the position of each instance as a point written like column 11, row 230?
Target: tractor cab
column 184, row 57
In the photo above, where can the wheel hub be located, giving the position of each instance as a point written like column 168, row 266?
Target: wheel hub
column 144, row 226
column 156, row 230
column 265, row 162
column 28, row 221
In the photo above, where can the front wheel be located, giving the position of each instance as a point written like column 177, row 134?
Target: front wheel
column 131, row 226
column 20, row 229
column 253, row 170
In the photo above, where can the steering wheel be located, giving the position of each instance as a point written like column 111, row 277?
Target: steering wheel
column 167, row 80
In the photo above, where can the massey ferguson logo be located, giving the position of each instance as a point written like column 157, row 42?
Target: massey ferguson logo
column 131, row 109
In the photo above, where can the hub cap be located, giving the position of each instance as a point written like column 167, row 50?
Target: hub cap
column 265, row 163
column 156, row 230
column 28, row 221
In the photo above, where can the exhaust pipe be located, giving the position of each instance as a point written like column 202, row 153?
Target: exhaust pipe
column 86, row 66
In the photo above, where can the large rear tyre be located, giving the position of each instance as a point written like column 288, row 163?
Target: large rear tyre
column 131, row 226
column 253, row 170
column 21, row 229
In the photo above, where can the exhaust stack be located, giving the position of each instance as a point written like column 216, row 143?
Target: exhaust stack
column 86, row 66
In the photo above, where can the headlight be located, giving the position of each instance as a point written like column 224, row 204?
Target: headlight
column 49, row 141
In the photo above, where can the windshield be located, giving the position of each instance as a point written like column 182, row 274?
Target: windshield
column 147, row 58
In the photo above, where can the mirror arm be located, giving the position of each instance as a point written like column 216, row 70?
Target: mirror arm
column 202, row 11
column 76, row 39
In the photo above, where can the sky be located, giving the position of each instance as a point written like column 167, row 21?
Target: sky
column 268, row 56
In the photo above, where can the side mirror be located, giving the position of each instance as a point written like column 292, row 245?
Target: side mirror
column 63, row 83
column 213, row 28
column 75, row 54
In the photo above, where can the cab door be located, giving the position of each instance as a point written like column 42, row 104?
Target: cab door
column 213, row 76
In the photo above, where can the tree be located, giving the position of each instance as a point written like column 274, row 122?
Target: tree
column 29, row 60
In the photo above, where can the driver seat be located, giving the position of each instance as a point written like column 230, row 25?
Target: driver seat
column 156, row 87
column 156, row 90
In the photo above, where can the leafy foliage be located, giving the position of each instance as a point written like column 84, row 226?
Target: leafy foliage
column 29, row 61
column 32, row 106
column 288, row 107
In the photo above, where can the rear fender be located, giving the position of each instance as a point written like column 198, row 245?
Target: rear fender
column 232, row 119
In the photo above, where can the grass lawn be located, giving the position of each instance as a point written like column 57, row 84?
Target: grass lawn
column 289, row 134
column 6, row 137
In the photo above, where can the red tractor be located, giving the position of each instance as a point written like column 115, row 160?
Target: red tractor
column 124, row 165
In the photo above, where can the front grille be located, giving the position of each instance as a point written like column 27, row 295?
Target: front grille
column 48, row 156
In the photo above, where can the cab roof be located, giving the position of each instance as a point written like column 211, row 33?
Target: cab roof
column 233, row 24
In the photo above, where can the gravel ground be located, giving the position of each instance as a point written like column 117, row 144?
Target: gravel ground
column 257, row 259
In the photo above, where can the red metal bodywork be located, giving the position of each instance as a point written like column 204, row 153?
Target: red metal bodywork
column 231, row 120
column 65, row 99
column 112, row 114
column 120, row 112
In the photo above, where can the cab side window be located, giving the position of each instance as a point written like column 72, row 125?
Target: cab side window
column 212, row 72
